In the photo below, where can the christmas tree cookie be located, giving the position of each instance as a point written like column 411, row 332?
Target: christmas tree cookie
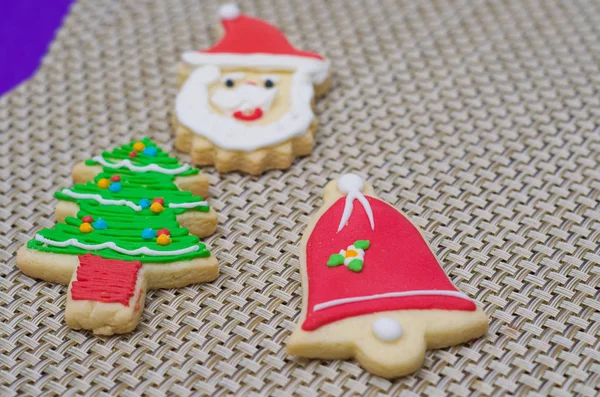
column 373, row 289
column 124, row 231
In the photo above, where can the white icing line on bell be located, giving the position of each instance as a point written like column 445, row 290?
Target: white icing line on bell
column 387, row 329
column 363, row 200
column 348, row 207
column 150, row 167
column 128, row 203
column 101, row 200
column 343, row 301
column 352, row 185
column 111, row 245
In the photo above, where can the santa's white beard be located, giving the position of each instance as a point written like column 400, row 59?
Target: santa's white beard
column 192, row 108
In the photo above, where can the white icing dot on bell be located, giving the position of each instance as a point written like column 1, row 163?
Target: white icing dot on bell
column 229, row 11
column 350, row 183
column 387, row 329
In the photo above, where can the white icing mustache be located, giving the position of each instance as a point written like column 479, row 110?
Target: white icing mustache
column 245, row 98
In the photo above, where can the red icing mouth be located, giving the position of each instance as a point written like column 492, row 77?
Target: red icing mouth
column 255, row 115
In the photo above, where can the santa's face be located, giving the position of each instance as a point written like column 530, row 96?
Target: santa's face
column 246, row 109
column 246, row 96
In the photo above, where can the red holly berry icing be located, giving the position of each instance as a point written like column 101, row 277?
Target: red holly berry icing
column 115, row 178
column 163, row 231
column 159, row 200
column 87, row 219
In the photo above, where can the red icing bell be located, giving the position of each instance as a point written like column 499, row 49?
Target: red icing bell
column 397, row 263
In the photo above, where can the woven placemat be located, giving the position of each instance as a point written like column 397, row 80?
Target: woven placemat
column 478, row 119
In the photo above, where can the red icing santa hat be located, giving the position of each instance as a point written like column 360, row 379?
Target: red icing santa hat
column 250, row 42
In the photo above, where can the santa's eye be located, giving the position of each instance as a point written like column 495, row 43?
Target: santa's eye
column 269, row 83
column 229, row 83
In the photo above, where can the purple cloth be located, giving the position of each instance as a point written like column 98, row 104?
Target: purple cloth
column 26, row 29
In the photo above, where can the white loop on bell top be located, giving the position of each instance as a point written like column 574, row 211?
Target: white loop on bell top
column 352, row 185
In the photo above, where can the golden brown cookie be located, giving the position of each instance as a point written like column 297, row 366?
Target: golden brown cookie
column 247, row 102
column 372, row 288
column 125, row 230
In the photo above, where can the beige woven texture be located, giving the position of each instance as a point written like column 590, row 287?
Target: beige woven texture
column 478, row 119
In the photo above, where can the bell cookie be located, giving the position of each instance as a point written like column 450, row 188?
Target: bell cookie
column 373, row 289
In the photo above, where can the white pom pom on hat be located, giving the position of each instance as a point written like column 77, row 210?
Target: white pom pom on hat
column 229, row 11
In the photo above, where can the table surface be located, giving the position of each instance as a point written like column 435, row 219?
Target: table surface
column 26, row 29
column 478, row 119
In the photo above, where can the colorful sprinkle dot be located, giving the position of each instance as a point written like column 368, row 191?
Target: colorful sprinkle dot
column 145, row 203
column 157, row 208
column 163, row 231
column 138, row 146
column 150, row 151
column 133, row 154
column 159, row 200
column 85, row 227
column 103, row 183
column 87, row 219
column 115, row 187
column 115, row 178
column 100, row 224
column 163, row 239
column 148, row 234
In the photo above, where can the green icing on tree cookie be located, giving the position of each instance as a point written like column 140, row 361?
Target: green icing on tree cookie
column 126, row 210
column 137, row 180
column 161, row 159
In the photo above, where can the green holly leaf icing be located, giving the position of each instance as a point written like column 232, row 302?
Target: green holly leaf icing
column 362, row 244
column 356, row 265
column 335, row 260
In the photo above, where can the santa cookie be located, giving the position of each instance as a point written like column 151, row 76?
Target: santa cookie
column 373, row 289
column 121, row 233
column 246, row 103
